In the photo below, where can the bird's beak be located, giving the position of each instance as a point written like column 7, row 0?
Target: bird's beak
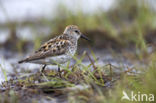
column 85, row 37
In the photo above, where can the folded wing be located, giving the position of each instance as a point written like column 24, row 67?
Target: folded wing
column 53, row 47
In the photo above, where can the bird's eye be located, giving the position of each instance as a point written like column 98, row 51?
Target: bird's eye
column 76, row 31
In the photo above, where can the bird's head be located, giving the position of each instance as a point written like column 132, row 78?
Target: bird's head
column 73, row 31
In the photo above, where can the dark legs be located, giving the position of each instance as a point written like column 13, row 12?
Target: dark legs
column 59, row 71
column 43, row 68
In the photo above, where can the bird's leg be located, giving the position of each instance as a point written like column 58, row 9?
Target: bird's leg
column 59, row 71
column 42, row 70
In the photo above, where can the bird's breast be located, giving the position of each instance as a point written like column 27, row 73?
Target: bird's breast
column 72, row 49
column 58, row 59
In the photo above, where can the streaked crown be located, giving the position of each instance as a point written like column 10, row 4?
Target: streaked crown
column 72, row 27
column 72, row 30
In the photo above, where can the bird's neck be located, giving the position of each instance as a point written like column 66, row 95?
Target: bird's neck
column 74, row 40
column 73, row 46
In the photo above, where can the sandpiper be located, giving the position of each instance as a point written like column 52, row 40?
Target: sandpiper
column 58, row 50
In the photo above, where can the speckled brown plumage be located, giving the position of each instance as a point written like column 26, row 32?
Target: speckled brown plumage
column 65, row 44
column 50, row 48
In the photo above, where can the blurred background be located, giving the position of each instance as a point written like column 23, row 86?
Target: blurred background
column 115, row 25
column 121, row 57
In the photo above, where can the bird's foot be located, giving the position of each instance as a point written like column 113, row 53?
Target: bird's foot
column 59, row 71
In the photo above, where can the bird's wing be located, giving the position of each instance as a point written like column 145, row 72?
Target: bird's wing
column 53, row 47
column 50, row 42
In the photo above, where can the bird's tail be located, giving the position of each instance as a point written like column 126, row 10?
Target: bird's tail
column 22, row 61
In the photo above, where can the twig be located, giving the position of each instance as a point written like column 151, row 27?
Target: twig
column 92, row 62
column 111, row 73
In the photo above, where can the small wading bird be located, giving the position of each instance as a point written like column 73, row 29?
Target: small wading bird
column 58, row 50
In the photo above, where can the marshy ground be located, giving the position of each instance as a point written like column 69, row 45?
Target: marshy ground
column 121, row 58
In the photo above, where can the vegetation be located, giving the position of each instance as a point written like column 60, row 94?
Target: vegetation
column 82, row 84
column 129, row 28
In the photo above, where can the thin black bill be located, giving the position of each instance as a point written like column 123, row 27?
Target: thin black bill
column 85, row 37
